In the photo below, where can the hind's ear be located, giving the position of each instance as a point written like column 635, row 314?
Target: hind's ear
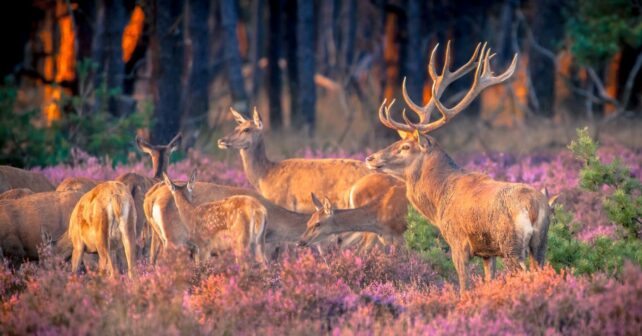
column 169, row 182
column 174, row 143
column 328, row 208
column 317, row 204
column 192, row 180
column 143, row 145
column 237, row 116
column 256, row 117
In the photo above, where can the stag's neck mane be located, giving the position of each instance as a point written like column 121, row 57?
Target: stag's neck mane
column 429, row 182
column 256, row 163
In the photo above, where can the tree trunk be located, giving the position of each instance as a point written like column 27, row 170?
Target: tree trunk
column 197, row 97
column 168, row 68
column 290, row 37
column 415, row 72
column 306, row 64
column 232, row 56
column 273, row 70
column 548, row 29
column 350, row 28
column 256, row 49
column 107, row 51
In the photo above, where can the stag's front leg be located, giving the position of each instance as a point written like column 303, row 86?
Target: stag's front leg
column 489, row 268
column 460, row 260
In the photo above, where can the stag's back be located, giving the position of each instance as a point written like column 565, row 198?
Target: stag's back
column 11, row 178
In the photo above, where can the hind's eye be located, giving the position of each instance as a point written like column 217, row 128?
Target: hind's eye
column 246, row 130
column 317, row 225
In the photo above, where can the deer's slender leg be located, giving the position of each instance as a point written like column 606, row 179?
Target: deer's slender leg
column 489, row 268
column 460, row 259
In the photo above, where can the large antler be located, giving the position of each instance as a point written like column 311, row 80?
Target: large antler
column 483, row 79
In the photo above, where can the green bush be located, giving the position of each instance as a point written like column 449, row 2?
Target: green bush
column 624, row 205
column 425, row 238
column 86, row 123
column 601, row 255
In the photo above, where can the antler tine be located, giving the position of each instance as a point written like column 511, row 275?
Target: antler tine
column 421, row 111
column 483, row 79
column 386, row 120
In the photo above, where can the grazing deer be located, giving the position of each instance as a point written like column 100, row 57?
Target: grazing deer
column 288, row 183
column 12, row 178
column 12, row 194
column 237, row 222
column 80, row 184
column 102, row 219
column 476, row 215
column 24, row 220
column 139, row 184
column 381, row 216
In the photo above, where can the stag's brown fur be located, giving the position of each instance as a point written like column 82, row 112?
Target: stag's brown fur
column 12, row 178
column 104, row 218
column 236, row 223
column 24, row 221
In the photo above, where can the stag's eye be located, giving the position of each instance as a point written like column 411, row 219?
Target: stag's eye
column 405, row 147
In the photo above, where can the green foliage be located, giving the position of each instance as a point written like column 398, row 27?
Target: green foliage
column 624, row 205
column 601, row 255
column 22, row 143
column 425, row 239
column 598, row 29
column 86, row 123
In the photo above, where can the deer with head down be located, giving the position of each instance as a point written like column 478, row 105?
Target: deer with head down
column 381, row 216
column 476, row 215
column 236, row 223
column 12, row 178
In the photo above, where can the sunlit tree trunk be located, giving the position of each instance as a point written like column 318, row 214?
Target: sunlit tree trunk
column 229, row 20
column 168, row 68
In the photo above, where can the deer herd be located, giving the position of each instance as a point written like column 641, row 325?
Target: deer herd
column 294, row 202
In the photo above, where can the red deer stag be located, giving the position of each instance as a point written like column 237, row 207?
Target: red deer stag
column 104, row 218
column 476, row 215
column 236, row 223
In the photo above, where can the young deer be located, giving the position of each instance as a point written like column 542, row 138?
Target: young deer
column 381, row 216
column 237, row 222
column 139, row 184
column 104, row 218
column 12, row 178
column 476, row 215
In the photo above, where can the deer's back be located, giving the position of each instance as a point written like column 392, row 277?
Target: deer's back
column 80, row 184
column 290, row 182
column 11, row 178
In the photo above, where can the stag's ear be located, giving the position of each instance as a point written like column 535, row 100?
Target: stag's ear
column 327, row 206
column 169, row 182
column 238, row 116
column 143, row 145
column 192, row 180
column 257, row 119
column 317, row 204
column 174, row 143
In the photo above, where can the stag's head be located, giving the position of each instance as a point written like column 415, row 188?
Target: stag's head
column 246, row 134
column 416, row 143
column 159, row 153
column 321, row 222
column 181, row 190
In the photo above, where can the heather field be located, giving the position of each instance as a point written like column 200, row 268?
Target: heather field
column 592, row 283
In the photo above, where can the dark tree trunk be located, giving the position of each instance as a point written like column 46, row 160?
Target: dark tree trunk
column 273, row 70
column 17, row 32
column 196, row 97
column 257, row 48
column 548, row 29
column 415, row 72
column 290, row 37
column 306, row 64
column 350, row 27
column 504, row 46
column 168, row 68
column 233, row 56
column 107, row 51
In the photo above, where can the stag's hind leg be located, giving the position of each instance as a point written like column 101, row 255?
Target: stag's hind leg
column 76, row 256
